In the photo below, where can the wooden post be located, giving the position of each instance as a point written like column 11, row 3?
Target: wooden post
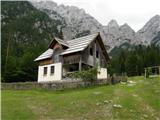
column 62, row 67
column 145, row 74
column 94, row 53
column 99, row 52
column 7, row 51
column 80, row 63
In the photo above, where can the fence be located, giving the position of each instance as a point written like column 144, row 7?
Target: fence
column 60, row 85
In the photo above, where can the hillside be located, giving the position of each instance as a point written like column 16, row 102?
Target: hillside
column 24, row 30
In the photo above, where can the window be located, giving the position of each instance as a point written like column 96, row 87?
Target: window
column 91, row 51
column 45, row 71
column 52, row 69
column 97, row 54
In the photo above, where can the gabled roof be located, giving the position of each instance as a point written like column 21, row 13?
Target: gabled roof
column 79, row 44
column 75, row 45
column 48, row 53
column 62, row 42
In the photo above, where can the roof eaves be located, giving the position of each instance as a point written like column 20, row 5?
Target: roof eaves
column 45, row 55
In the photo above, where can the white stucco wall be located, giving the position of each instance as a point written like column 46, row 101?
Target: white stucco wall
column 50, row 77
column 102, row 73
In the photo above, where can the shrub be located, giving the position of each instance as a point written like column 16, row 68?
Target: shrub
column 86, row 75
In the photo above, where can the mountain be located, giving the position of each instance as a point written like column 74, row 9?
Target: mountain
column 112, row 33
column 24, row 29
column 149, row 31
column 77, row 20
column 148, row 35
column 118, row 35
column 79, row 23
column 156, row 40
column 127, row 33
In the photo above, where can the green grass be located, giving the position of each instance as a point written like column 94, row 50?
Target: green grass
column 139, row 101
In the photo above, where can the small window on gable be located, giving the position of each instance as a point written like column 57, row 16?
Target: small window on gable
column 45, row 71
column 91, row 51
column 97, row 54
column 52, row 69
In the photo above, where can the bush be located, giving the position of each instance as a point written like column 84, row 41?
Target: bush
column 86, row 75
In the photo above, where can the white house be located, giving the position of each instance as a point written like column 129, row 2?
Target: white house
column 65, row 56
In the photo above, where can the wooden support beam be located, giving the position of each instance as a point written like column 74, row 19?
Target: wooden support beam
column 80, row 63
column 94, row 53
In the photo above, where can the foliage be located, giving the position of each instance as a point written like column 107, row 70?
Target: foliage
column 86, row 75
column 133, row 61
column 26, row 32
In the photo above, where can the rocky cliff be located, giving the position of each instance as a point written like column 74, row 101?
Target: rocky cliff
column 78, row 23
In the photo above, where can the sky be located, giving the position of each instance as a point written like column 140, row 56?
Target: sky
column 133, row 12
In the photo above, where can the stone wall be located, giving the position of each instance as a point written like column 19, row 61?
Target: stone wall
column 60, row 85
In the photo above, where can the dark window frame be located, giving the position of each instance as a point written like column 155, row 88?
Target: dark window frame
column 45, row 70
column 52, row 70
column 97, row 54
column 91, row 51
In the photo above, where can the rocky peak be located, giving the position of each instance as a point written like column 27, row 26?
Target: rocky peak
column 79, row 23
column 126, row 29
column 149, row 31
column 127, row 33
column 113, row 23
column 125, row 26
column 112, row 27
column 77, row 20
column 153, row 22
column 112, row 32
column 119, row 34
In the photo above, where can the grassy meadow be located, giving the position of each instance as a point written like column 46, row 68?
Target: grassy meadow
column 138, row 99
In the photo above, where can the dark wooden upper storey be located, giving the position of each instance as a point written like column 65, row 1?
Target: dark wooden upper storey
column 88, row 50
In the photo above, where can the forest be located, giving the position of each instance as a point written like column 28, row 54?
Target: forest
column 25, row 34
column 132, row 61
